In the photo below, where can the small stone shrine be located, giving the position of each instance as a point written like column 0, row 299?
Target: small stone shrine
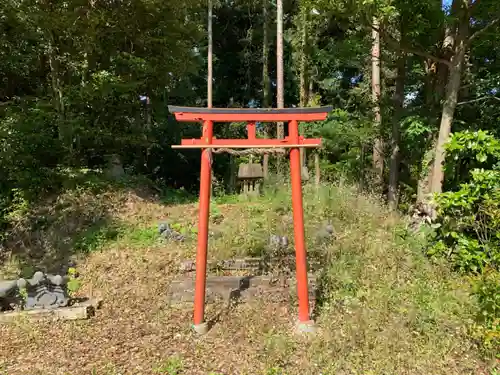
column 250, row 176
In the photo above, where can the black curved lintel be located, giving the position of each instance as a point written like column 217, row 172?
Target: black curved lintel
column 249, row 111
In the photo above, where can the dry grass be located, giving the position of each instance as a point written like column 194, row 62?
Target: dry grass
column 383, row 308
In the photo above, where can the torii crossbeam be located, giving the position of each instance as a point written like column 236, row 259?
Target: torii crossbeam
column 207, row 116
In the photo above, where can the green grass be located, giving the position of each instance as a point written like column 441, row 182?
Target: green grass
column 176, row 196
column 96, row 237
column 382, row 306
column 99, row 237
column 172, row 366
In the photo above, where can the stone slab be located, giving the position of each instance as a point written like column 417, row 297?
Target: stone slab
column 224, row 288
column 226, row 265
column 242, row 264
column 83, row 310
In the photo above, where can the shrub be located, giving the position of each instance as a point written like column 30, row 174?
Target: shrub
column 468, row 217
column 468, row 223
column 487, row 290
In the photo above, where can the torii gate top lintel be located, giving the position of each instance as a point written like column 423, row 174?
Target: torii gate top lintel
column 250, row 114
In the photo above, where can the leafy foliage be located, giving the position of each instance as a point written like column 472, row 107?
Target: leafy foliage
column 468, row 223
column 469, row 150
column 487, row 291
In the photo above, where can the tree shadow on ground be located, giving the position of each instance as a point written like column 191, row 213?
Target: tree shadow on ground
column 50, row 238
column 53, row 233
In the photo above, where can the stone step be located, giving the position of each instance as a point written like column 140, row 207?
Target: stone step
column 81, row 310
column 224, row 288
column 237, row 264
column 242, row 264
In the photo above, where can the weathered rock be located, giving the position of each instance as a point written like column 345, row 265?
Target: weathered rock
column 325, row 234
column 423, row 214
column 7, row 287
column 167, row 232
column 250, row 171
column 114, row 169
column 277, row 242
column 215, row 234
column 80, row 310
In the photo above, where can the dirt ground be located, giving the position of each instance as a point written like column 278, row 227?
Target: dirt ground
column 137, row 331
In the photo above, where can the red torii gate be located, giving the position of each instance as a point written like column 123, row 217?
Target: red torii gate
column 207, row 116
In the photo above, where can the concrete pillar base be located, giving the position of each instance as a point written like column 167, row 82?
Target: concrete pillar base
column 201, row 329
column 307, row 327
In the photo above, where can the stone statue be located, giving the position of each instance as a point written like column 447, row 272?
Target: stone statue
column 42, row 291
column 114, row 169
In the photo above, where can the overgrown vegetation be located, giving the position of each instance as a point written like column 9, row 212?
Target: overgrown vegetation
column 85, row 161
column 468, row 223
column 379, row 296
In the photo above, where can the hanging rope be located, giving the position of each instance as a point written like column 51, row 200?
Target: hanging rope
column 249, row 151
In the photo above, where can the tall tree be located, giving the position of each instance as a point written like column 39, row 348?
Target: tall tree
column 304, row 57
column 457, row 41
column 398, row 101
column 280, row 81
column 210, row 55
column 280, row 64
column 303, row 70
column 266, row 82
column 378, row 144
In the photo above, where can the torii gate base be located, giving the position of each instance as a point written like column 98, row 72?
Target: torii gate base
column 294, row 142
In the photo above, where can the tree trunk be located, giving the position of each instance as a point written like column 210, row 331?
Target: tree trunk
column 304, row 82
column 88, row 56
column 423, row 187
column 448, row 113
column 210, row 55
column 378, row 146
column 65, row 130
column 425, row 172
column 266, row 82
column 398, row 100
column 317, row 169
column 304, row 78
column 210, row 76
column 280, row 73
column 231, row 178
column 458, row 41
column 56, row 81
column 279, row 58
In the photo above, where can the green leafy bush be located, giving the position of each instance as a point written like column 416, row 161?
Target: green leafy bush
column 468, row 223
column 487, row 291
column 468, row 218
column 467, row 151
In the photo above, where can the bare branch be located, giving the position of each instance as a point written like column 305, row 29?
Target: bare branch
column 479, row 81
column 426, row 55
column 481, row 31
column 480, row 99
column 396, row 44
